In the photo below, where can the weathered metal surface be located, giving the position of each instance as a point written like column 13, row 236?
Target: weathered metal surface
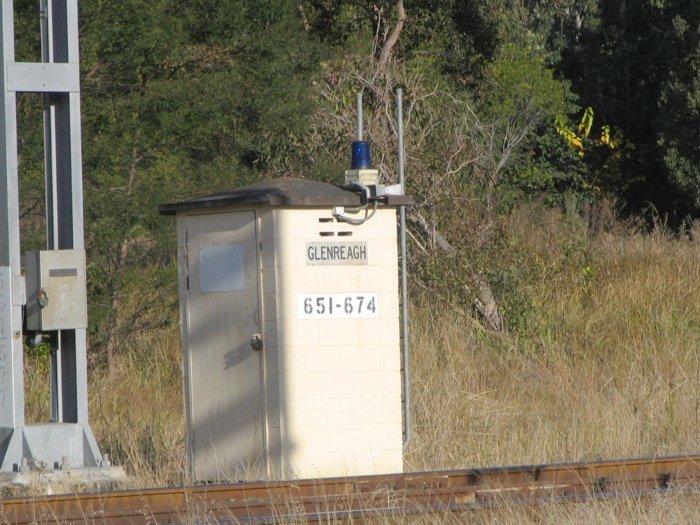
column 289, row 192
column 56, row 77
column 320, row 500
column 224, row 390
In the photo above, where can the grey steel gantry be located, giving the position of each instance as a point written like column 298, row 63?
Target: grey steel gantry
column 67, row 438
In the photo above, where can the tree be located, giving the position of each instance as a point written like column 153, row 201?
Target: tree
column 179, row 98
column 636, row 66
column 679, row 100
column 459, row 141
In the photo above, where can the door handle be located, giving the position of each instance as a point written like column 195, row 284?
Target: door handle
column 256, row 342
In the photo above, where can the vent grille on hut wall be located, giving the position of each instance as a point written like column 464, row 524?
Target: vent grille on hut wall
column 330, row 233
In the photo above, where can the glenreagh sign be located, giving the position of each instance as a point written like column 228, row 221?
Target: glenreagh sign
column 336, row 253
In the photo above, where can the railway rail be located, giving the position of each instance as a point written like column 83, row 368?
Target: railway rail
column 315, row 500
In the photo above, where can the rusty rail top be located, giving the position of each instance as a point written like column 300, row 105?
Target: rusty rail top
column 314, row 500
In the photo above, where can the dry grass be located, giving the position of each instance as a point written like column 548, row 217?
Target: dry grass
column 644, row 511
column 612, row 369
column 606, row 364
column 137, row 413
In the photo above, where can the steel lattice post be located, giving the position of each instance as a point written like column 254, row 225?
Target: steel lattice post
column 57, row 79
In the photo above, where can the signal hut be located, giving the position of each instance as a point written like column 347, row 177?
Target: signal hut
column 290, row 326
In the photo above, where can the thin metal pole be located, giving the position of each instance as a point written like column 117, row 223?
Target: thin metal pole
column 50, row 161
column 359, row 116
column 52, row 204
column 404, row 278
column 11, row 351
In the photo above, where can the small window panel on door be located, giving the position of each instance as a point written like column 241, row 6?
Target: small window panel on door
column 221, row 268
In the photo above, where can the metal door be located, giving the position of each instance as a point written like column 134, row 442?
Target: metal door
column 224, row 387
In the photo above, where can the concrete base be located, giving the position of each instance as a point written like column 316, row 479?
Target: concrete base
column 48, row 445
column 57, row 481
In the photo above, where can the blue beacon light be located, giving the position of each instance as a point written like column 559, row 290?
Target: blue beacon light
column 361, row 156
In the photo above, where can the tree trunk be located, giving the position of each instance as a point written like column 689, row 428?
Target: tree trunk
column 393, row 37
column 111, row 345
column 485, row 301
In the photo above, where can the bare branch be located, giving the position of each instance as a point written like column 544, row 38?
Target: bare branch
column 304, row 18
column 485, row 300
column 392, row 39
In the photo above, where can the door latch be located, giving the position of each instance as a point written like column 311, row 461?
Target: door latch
column 43, row 299
column 256, row 342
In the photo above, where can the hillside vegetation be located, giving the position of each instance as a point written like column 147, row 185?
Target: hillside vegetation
column 561, row 104
column 607, row 367
column 553, row 247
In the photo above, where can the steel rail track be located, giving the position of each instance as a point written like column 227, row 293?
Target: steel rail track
column 315, row 500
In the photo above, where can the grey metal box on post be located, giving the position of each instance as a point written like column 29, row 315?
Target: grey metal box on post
column 56, row 290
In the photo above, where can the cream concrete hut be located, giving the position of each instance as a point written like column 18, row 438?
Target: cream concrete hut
column 290, row 331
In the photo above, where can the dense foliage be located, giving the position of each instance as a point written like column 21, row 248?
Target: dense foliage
column 564, row 102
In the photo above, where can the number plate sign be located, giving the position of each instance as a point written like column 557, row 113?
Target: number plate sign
column 337, row 305
column 353, row 253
